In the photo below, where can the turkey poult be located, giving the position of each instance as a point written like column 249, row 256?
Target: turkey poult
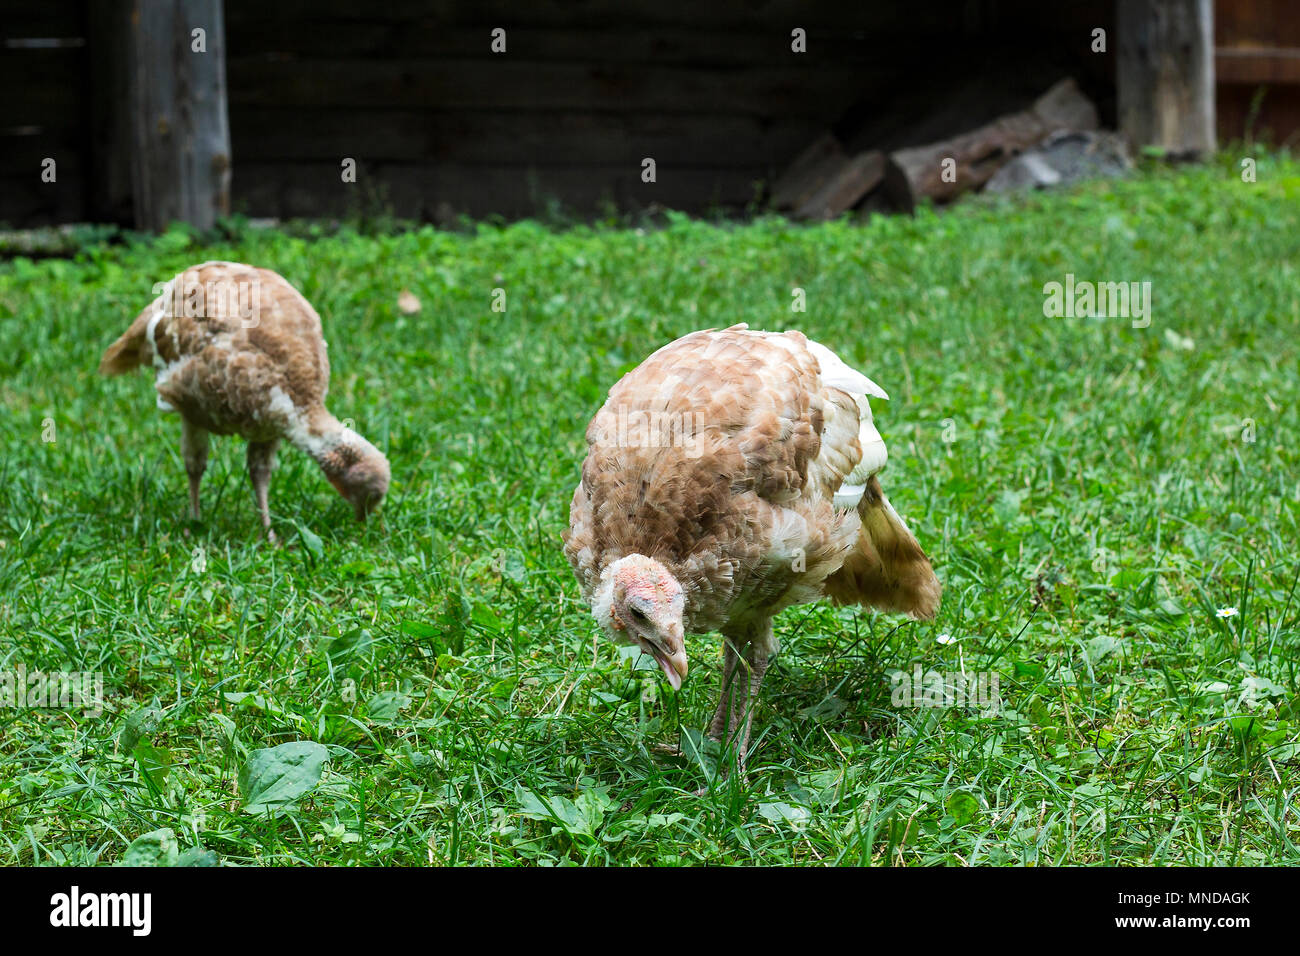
column 728, row 476
column 238, row 351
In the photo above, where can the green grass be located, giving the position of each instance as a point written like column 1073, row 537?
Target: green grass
column 1097, row 505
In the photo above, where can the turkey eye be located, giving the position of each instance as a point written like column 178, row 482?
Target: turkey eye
column 638, row 614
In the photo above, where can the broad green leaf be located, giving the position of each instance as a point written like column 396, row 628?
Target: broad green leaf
column 139, row 725
column 779, row 812
column 157, row 848
column 198, row 856
column 962, row 806
column 311, row 542
column 387, row 705
column 555, row 809
column 155, row 762
column 486, row 617
column 420, row 629
column 593, row 804
column 1099, row 647
column 348, row 645
column 275, row 777
column 355, row 569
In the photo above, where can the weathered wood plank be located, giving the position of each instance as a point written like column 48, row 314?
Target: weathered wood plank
column 42, row 87
column 439, row 192
column 42, row 114
column 1261, row 65
column 51, row 18
column 1256, row 23
column 1240, row 115
column 27, row 201
column 21, row 156
column 661, row 45
column 543, row 138
column 738, row 14
column 586, row 86
column 514, row 85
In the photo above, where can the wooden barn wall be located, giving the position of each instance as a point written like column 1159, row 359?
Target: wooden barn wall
column 44, row 111
column 1257, row 70
column 439, row 125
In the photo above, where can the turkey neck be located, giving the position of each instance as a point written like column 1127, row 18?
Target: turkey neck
column 331, row 444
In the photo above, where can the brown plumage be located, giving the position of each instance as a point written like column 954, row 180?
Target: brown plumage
column 238, row 351
column 730, row 475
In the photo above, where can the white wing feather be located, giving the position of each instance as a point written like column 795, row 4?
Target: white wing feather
column 836, row 374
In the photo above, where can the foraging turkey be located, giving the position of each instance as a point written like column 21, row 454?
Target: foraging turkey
column 728, row 476
column 237, row 350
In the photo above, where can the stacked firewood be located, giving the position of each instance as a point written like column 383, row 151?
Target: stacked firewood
column 826, row 180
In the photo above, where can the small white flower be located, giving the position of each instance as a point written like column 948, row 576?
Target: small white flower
column 1226, row 612
column 946, row 638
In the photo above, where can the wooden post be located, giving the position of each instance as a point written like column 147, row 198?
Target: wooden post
column 176, row 92
column 1165, row 74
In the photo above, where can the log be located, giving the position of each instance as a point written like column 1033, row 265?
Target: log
column 808, row 172
column 842, row 191
column 1165, row 75
column 917, row 173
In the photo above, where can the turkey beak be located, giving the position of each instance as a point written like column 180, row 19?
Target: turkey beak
column 670, row 651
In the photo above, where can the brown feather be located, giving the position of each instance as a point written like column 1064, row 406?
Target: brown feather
column 130, row 350
column 886, row 568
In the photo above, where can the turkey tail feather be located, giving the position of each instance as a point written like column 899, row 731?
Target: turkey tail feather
column 129, row 351
column 886, row 568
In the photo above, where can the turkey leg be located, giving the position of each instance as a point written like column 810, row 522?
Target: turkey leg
column 740, row 689
column 756, row 657
column 194, row 449
column 722, row 716
column 261, row 459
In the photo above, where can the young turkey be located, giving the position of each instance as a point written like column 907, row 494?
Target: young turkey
column 237, row 350
column 728, row 476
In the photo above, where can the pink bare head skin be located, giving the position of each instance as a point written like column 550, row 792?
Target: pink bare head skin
column 645, row 607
